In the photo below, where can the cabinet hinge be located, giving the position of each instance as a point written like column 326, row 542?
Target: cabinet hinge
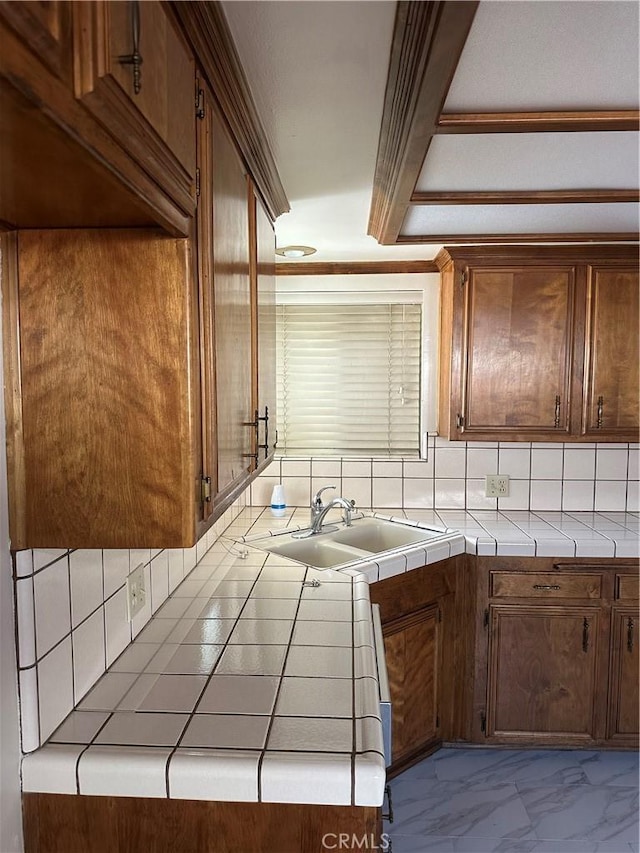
column 200, row 112
column 464, row 275
column 485, row 621
column 198, row 182
column 459, row 421
column 483, row 722
column 205, row 489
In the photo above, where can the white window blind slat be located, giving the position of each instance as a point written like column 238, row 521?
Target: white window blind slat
column 349, row 378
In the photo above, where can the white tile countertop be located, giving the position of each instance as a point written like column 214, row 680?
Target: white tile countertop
column 252, row 685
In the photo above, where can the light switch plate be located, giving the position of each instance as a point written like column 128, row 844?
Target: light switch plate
column 497, row 485
column 136, row 592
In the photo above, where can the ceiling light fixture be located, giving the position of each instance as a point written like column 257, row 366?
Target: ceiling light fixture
column 295, row 251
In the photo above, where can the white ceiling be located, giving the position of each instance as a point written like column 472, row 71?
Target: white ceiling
column 317, row 70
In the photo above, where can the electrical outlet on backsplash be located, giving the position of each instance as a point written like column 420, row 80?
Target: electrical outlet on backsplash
column 73, row 621
column 542, row 476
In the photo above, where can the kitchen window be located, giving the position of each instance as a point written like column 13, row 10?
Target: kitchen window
column 351, row 373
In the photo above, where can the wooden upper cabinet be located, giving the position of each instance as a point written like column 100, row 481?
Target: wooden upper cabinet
column 611, row 403
column 539, row 344
column 46, row 28
column 232, row 354
column 518, row 336
column 101, row 432
column 135, row 74
column 263, row 295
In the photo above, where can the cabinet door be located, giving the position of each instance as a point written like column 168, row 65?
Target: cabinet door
column 624, row 696
column 149, row 110
column 542, row 673
column 411, row 650
column 263, row 291
column 518, row 344
column 612, row 378
column 46, row 28
column 105, row 448
column 231, row 311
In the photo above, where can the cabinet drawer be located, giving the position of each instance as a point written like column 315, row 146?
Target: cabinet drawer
column 627, row 587
column 547, row 585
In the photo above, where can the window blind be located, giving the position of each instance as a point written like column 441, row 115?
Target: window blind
column 349, row 378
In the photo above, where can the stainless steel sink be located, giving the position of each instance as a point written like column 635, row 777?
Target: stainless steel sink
column 365, row 538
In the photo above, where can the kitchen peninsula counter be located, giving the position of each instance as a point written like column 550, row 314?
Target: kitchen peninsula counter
column 256, row 681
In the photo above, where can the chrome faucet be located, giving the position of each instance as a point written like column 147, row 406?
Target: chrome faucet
column 347, row 506
column 316, row 504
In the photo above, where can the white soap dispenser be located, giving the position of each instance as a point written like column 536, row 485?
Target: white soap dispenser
column 278, row 501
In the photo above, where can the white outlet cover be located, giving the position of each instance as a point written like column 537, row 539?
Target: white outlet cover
column 136, row 592
column 497, row 485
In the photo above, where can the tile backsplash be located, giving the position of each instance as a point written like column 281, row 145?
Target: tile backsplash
column 72, row 623
column 71, row 605
column 543, row 476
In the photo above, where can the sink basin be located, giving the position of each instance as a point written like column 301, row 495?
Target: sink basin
column 375, row 535
column 365, row 538
column 316, row 552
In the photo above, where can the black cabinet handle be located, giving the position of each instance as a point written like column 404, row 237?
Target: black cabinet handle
column 585, row 635
column 389, row 815
column 135, row 58
column 630, row 635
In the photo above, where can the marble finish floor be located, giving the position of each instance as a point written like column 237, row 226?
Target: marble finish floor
column 517, row 801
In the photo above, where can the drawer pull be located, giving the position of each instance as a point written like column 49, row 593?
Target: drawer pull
column 546, row 586
column 630, row 635
column 585, row 635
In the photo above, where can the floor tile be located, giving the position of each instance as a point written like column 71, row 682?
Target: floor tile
column 422, row 807
column 590, row 812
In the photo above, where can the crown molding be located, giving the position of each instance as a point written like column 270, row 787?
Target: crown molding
column 356, row 268
column 205, row 26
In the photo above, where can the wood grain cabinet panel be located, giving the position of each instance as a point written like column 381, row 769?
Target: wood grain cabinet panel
column 542, row 673
column 263, row 300
column 556, row 652
column 150, row 111
column 424, row 626
column 46, row 28
column 612, row 379
column 102, row 433
column 511, row 382
column 539, row 344
column 231, row 311
column 411, row 649
column 624, row 697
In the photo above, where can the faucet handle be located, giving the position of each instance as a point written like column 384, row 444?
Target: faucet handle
column 316, row 503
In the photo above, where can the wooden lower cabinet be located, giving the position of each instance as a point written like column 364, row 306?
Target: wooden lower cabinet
column 556, row 652
column 61, row 823
column 412, row 652
column 423, row 624
column 624, row 700
column 542, row 672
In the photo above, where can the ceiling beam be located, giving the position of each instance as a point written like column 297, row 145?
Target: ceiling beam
column 539, row 122
column 356, row 268
column 465, row 239
column 526, row 197
column 428, row 39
